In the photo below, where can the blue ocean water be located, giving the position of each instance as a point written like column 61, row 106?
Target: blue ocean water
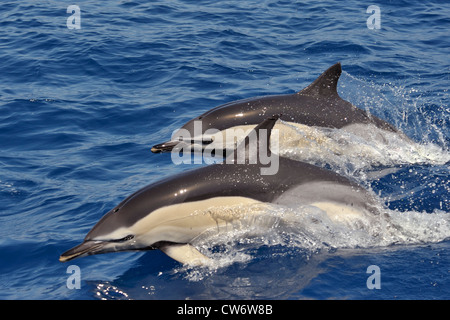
column 80, row 109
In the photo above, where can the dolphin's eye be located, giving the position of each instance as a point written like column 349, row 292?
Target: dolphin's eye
column 208, row 141
column 128, row 237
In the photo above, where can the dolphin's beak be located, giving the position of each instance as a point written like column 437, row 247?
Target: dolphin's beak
column 84, row 249
column 164, row 147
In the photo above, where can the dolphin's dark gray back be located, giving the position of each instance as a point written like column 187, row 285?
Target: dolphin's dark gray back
column 218, row 180
column 319, row 104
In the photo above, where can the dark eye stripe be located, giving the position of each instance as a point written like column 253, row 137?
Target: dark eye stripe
column 203, row 141
column 128, row 237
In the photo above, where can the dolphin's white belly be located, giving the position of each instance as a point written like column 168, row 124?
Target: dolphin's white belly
column 340, row 202
column 360, row 145
column 180, row 223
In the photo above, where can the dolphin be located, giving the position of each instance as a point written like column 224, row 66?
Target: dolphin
column 318, row 105
column 170, row 214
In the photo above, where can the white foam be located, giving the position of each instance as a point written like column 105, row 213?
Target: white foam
column 310, row 229
column 356, row 148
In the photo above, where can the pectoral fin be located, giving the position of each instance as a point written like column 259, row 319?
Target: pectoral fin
column 184, row 253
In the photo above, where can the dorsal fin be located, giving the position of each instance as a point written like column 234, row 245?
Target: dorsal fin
column 263, row 141
column 256, row 140
column 325, row 84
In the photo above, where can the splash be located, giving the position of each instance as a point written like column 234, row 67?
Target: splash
column 423, row 116
column 356, row 149
column 308, row 229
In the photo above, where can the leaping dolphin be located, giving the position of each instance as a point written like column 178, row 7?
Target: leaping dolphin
column 170, row 214
column 318, row 105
